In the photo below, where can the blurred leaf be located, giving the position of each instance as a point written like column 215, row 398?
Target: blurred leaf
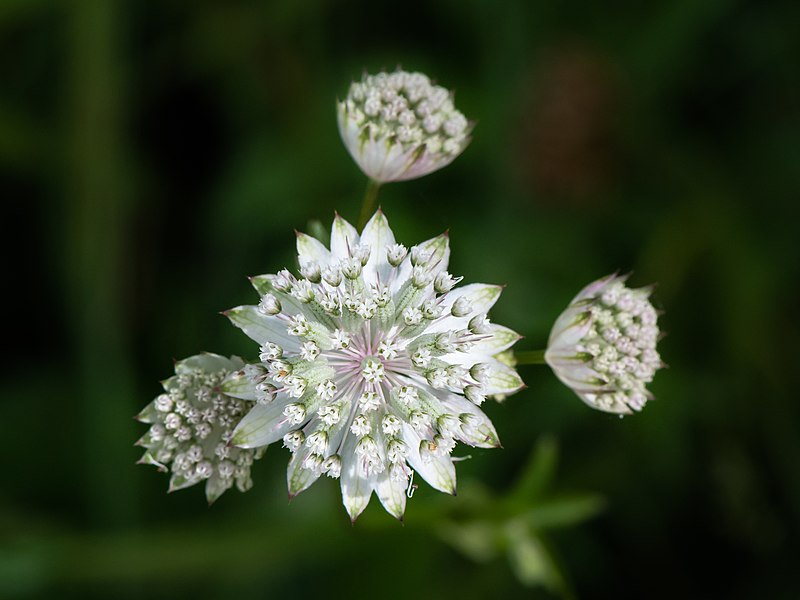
column 11, row 10
column 530, row 560
column 478, row 540
column 515, row 522
column 537, row 474
column 564, row 512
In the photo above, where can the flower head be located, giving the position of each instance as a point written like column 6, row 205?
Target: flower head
column 191, row 426
column 401, row 358
column 604, row 346
column 399, row 126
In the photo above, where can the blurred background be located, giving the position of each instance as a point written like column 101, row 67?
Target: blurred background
column 155, row 154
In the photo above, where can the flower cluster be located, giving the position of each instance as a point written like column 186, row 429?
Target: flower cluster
column 372, row 363
column 191, row 426
column 399, row 126
column 604, row 346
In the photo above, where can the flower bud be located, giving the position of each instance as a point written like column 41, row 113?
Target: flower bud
column 461, row 307
column 269, row 305
column 395, row 254
column 603, row 346
column 399, row 126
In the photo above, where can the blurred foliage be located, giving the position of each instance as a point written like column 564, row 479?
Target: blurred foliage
column 516, row 523
column 154, row 154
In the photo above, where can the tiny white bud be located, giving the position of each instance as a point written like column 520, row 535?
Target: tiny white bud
column 437, row 378
column 283, row 281
column 461, row 307
column 332, row 275
column 387, row 350
column 309, row 351
column 474, row 394
column 481, row 372
column 270, row 351
column 265, row 392
column 360, row 426
column 412, row 316
column 351, row 267
column 395, row 254
column 298, row 325
column 330, row 414
column 269, row 305
column 421, row 276
column 293, row 440
column 479, row 324
column 420, row 256
column 326, row 390
column 445, row 282
column 431, row 310
column 361, row 253
column 332, row 466
column 295, row 412
column 390, row 425
column 421, row 358
column 295, row 386
column 340, row 339
column 311, row 271
column 317, row 442
column 303, row 291
column 369, row 401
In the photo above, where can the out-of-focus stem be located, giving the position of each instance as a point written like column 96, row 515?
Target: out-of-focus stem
column 530, row 357
column 368, row 205
column 96, row 211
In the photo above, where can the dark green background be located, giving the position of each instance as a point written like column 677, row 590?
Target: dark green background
column 154, row 154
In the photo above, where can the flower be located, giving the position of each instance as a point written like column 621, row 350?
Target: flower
column 604, row 346
column 191, row 425
column 399, row 126
column 372, row 363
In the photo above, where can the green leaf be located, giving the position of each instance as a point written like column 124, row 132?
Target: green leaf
column 538, row 472
column 529, row 560
column 567, row 511
column 478, row 540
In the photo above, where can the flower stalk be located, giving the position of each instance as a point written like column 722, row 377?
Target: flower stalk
column 530, row 357
column 368, row 204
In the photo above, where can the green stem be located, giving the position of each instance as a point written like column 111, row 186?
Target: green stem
column 97, row 213
column 530, row 357
column 368, row 205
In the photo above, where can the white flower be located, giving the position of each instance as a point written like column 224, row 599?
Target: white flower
column 192, row 423
column 399, row 126
column 604, row 346
column 368, row 389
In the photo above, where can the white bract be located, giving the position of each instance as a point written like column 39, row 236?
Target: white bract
column 372, row 370
column 399, row 126
column 192, row 424
column 604, row 346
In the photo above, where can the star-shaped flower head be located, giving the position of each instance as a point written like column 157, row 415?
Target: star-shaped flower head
column 373, row 363
column 603, row 346
column 191, row 425
column 399, row 126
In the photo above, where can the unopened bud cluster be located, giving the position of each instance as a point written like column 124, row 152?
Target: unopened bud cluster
column 191, row 427
column 400, row 126
column 604, row 346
